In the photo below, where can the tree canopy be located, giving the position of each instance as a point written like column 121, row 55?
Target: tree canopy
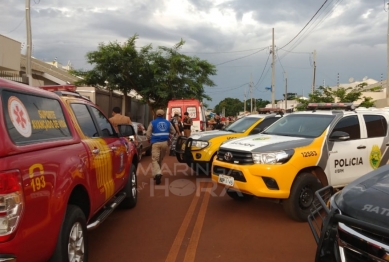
column 342, row 95
column 157, row 75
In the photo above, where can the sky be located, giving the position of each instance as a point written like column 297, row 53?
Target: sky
column 349, row 38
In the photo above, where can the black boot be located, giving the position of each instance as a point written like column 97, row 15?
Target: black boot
column 157, row 179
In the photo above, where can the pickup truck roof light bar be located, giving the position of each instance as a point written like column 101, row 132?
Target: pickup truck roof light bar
column 64, row 90
column 69, row 88
column 344, row 106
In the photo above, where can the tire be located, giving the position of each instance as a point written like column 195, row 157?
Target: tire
column 301, row 197
column 72, row 244
column 238, row 196
column 202, row 168
column 131, row 190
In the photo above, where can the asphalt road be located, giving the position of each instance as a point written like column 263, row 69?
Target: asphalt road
column 189, row 218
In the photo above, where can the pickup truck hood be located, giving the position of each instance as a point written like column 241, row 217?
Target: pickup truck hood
column 207, row 135
column 266, row 143
column 367, row 198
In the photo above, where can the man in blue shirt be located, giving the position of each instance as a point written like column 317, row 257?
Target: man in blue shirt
column 158, row 132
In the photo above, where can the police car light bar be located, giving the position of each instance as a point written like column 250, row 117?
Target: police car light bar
column 69, row 88
column 349, row 106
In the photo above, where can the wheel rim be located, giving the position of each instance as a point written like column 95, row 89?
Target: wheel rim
column 306, row 197
column 133, row 185
column 76, row 243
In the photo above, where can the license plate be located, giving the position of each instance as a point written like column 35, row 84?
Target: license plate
column 226, row 180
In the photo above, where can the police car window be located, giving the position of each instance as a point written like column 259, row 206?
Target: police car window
column 31, row 119
column 376, row 125
column 84, row 120
column 264, row 124
column 300, row 125
column 103, row 123
column 242, row 124
column 350, row 125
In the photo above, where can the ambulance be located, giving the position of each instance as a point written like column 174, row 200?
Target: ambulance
column 303, row 152
column 195, row 109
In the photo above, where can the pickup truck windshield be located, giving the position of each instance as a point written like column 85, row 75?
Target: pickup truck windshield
column 309, row 125
column 242, row 124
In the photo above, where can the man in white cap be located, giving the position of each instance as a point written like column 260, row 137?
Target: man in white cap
column 158, row 132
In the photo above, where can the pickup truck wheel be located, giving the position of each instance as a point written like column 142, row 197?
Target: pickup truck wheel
column 239, row 196
column 131, row 190
column 301, row 197
column 72, row 244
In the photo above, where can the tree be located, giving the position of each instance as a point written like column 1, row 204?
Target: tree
column 343, row 95
column 157, row 75
column 232, row 106
column 259, row 103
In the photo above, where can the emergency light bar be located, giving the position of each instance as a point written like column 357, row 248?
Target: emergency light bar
column 69, row 88
column 346, row 106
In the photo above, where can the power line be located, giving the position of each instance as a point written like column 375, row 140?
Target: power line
column 228, row 89
column 17, row 26
column 241, row 57
column 306, row 24
column 224, row 52
column 263, row 70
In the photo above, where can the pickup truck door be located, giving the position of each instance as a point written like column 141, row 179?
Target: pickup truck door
column 116, row 147
column 104, row 163
column 348, row 159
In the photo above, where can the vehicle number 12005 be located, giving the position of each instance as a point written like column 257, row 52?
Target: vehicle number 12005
column 309, row 153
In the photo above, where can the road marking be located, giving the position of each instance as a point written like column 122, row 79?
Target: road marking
column 194, row 240
column 175, row 248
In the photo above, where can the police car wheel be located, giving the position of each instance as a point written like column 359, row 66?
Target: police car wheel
column 131, row 190
column 301, row 197
column 237, row 195
column 202, row 168
column 72, row 244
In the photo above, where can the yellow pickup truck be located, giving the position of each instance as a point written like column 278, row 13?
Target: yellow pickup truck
column 198, row 150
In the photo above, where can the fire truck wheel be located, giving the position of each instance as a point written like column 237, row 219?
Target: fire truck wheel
column 131, row 190
column 72, row 244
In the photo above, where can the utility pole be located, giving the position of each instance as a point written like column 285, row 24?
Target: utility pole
column 244, row 106
column 387, row 54
column 286, row 91
column 29, row 44
column 272, row 71
column 251, row 94
column 314, row 70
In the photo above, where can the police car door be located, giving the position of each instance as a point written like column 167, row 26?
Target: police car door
column 376, row 136
column 348, row 159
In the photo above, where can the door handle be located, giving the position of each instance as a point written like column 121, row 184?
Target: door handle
column 361, row 147
column 96, row 151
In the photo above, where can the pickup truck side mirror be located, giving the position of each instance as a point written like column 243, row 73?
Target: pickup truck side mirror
column 339, row 136
column 126, row 130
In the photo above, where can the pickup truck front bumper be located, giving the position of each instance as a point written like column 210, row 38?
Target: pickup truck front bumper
column 343, row 238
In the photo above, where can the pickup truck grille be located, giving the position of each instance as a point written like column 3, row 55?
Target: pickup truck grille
column 235, row 156
column 361, row 245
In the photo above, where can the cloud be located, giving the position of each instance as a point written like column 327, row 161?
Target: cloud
column 349, row 36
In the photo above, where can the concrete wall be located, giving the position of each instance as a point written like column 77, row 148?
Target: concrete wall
column 9, row 54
